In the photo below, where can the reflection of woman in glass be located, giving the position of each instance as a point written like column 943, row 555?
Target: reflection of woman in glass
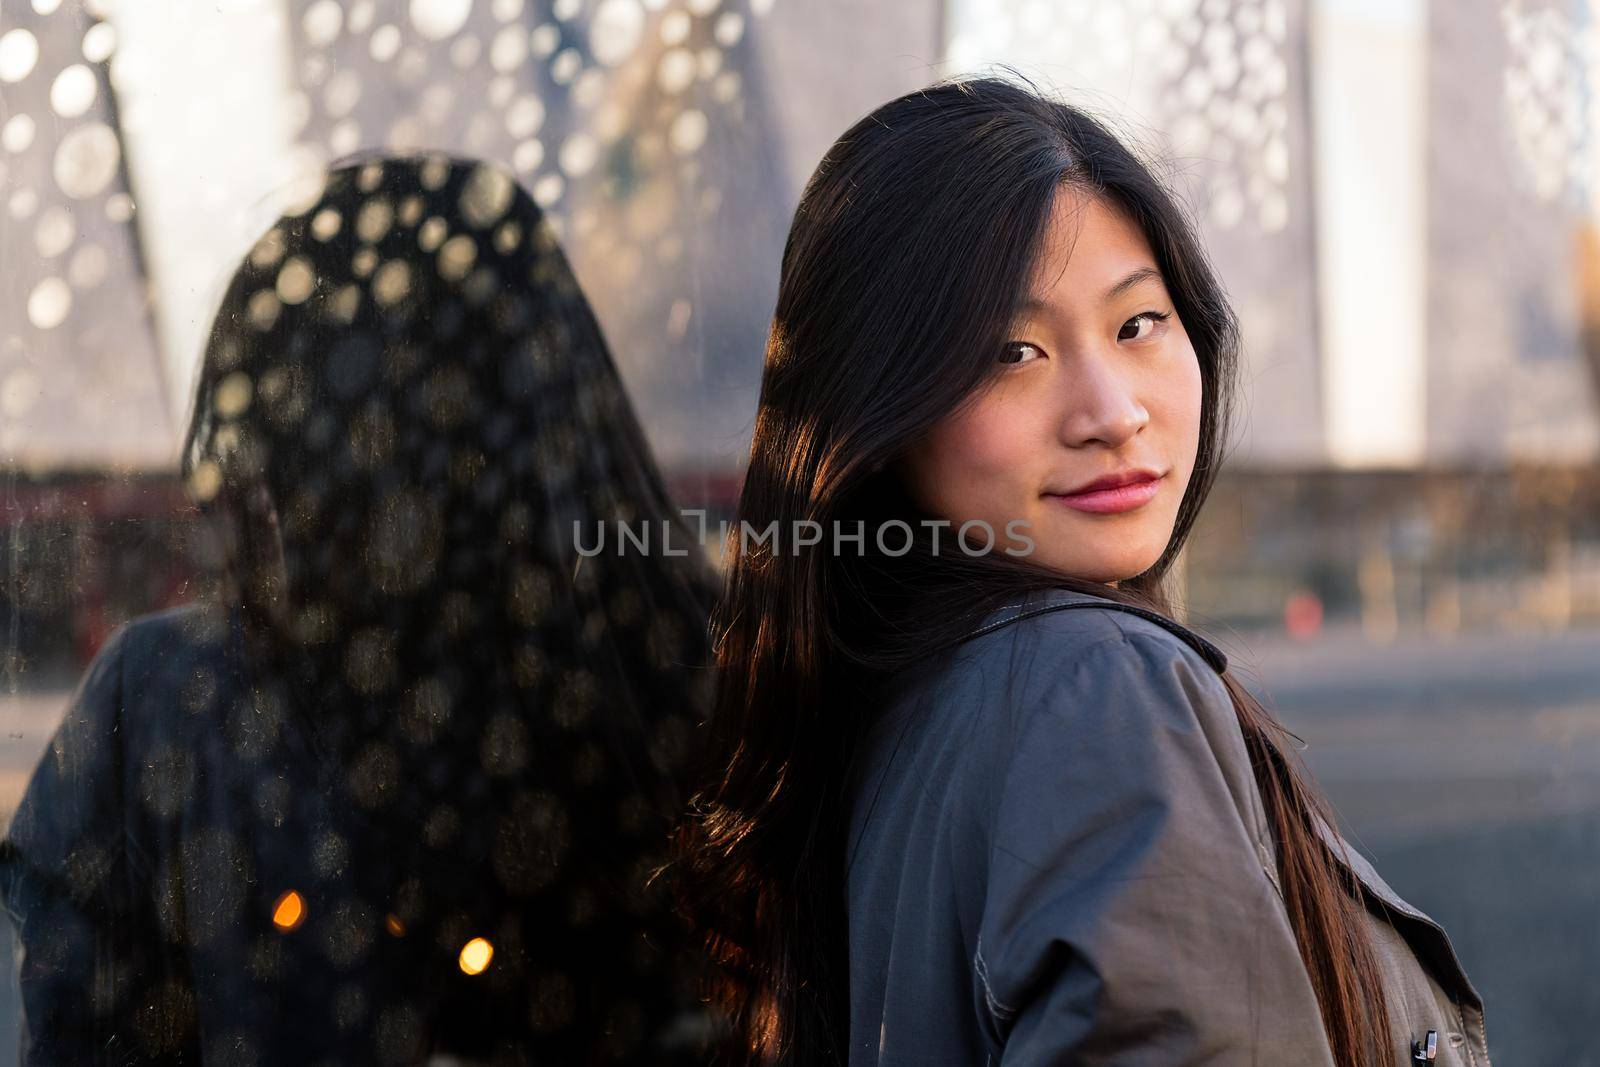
column 401, row 791
column 977, row 798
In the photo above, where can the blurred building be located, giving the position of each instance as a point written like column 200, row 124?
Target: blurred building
column 1401, row 198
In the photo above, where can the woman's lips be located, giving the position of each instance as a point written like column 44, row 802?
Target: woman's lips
column 1111, row 501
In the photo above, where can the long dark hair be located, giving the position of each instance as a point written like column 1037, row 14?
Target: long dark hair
column 909, row 251
column 406, row 406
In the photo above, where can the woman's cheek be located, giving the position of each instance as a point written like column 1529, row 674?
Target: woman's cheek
column 990, row 462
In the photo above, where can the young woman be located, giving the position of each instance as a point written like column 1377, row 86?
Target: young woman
column 397, row 794
column 975, row 796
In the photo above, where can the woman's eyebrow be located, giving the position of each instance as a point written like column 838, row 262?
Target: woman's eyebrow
column 1137, row 277
column 1143, row 274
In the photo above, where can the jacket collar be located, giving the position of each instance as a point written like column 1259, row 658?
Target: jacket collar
column 1043, row 601
column 1428, row 937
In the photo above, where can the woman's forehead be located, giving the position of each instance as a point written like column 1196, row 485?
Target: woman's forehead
column 1090, row 255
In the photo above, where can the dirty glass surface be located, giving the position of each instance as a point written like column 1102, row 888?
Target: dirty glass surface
column 534, row 288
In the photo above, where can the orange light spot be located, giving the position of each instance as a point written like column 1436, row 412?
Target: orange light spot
column 475, row 955
column 393, row 924
column 289, row 911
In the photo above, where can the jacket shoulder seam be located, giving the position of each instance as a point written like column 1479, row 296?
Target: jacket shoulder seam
column 1214, row 657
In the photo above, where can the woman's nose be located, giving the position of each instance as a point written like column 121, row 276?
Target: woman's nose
column 1100, row 405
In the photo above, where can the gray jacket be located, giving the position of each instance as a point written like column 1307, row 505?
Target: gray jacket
column 1058, row 855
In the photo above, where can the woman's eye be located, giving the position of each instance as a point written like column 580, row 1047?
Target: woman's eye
column 1018, row 352
column 1152, row 318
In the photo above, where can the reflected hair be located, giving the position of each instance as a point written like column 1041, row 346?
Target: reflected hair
column 904, row 266
column 406, row 404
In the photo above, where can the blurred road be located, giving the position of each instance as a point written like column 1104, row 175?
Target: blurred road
column 1467, row 768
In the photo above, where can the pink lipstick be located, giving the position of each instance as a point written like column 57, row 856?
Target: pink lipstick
column 1112, row 495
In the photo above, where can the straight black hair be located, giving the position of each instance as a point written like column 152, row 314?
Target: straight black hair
column 406, row 409
column 907, row 258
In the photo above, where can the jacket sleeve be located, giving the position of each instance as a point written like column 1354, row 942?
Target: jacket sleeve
column 90, row 984
column 1130, row 917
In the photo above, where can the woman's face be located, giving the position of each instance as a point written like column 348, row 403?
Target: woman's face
column 1099, row 380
